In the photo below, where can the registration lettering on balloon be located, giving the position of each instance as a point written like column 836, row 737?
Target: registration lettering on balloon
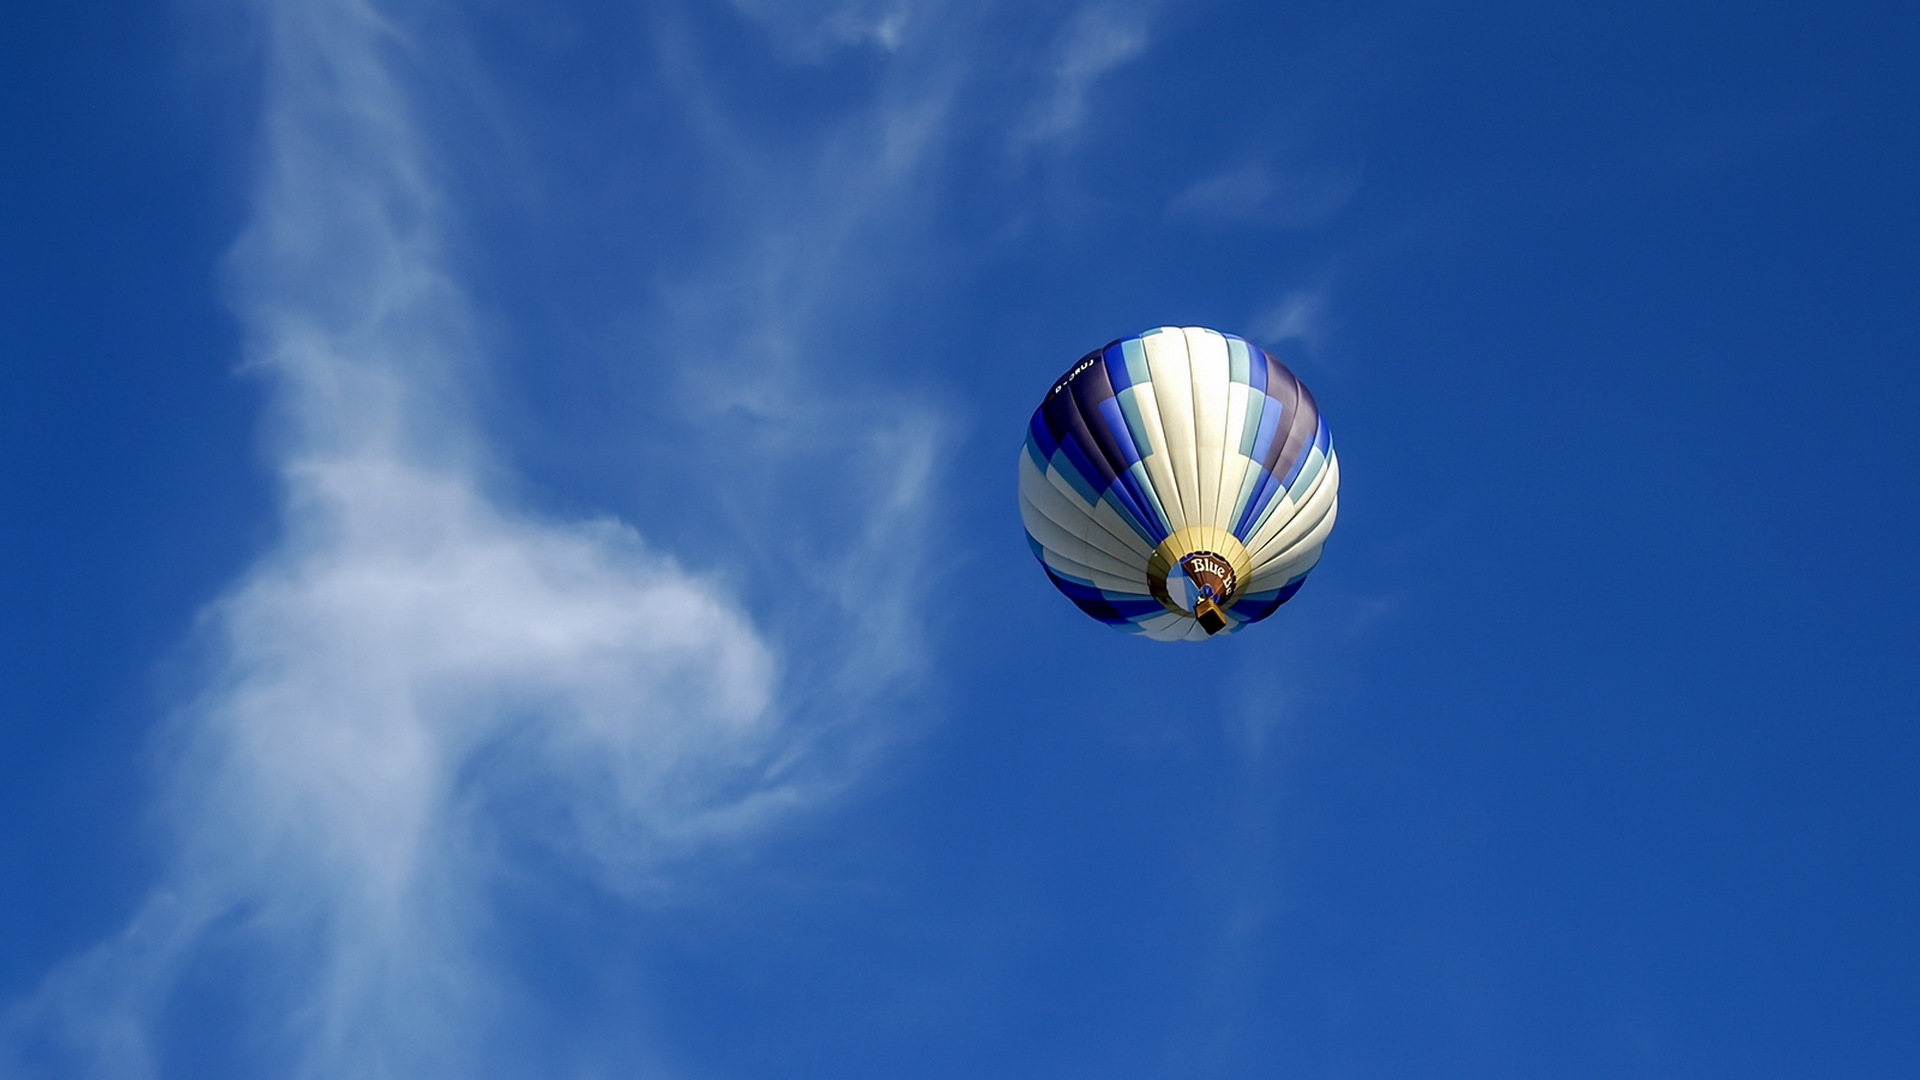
column 1067, row 379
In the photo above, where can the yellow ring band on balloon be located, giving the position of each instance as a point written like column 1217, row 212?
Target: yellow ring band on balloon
column 1185, row 542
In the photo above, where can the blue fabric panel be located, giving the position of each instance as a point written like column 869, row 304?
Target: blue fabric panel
column 1141, row 484
column 1290, row 452
column 1315, row 463
column 1238, row 364
column 1114, row 359
column 1075, row 479
column 1039, row 552
column 1256, row 411
column 1042, row 439
column 1273, row 486
column 1032, row 449
column 1129, row 491
column 1161, row 525
column 1250, row 422
column 1248, row 486
column 1139, row 516
column 1283, row 455
column 1066, row 580
column 1136, row 427
column 1092, row 453
column 1076, row 442
column 1073, row 373
column 1270, row 417
column 1253, row 608
column 1322, row 442
column 1113, row 423
column 1300, row 438
column 1144, row 528
column 1090, row 467
column 1093, row 397
column 1295, row 414
column 1107, row 433
column 1101, row 450
column 1257, row 360
column 1272, row 412
column 1104, row 606
column 1264, row 492
column 1136, row 358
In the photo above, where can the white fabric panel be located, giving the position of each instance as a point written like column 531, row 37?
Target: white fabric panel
column 1212, row 373
column 1280, row 571
column 1063, row 518
column 1233, row 464
column 1284, row 504
column 1310, row 469
column 1099, row 514
column 1256, row 407
column 1071, row 519
column 1300, row 553
column 1287, row 512
column 1148, row 498
column 1159, row 464
column 1173, row 389
column 1313, row 519
column 1111, row 521
column 1064, row 505
column 1099, row 580
column 1168, row 627
column 1064, row 546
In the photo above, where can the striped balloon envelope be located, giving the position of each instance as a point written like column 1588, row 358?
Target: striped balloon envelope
column 1178, row 483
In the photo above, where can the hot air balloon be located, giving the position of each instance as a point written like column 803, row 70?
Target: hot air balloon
column 1178, row 483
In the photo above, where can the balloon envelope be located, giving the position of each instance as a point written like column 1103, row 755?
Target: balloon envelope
column 1178, row 483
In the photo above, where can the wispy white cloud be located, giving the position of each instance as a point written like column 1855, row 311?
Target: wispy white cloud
column 810, row 29
column 1258, row 195
column 1100, row 38
column 794, row 286
column 420, row 666
column 1301, row 316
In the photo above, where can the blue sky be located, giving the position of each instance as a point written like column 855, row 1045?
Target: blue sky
column 512, row 566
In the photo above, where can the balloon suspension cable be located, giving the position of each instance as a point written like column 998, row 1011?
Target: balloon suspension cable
column 1209, row 615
